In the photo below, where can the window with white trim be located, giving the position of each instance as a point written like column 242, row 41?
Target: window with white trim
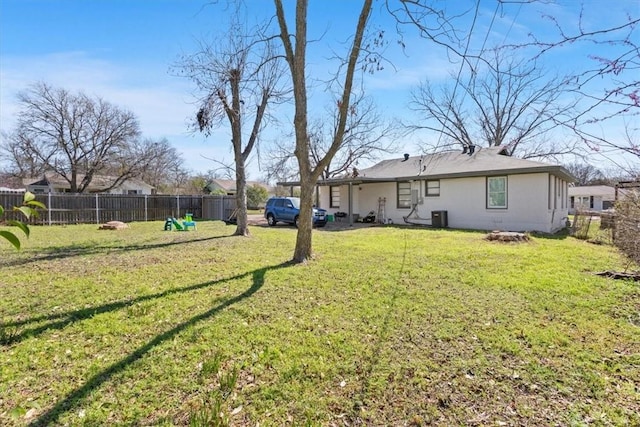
column 404, row 195
column 335, row 196
column 497, row 192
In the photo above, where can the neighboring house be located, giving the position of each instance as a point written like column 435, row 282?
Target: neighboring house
column 11, row 184
column 56, row 184
column 484, row 190
column 591, row 198
column 12, row 190
column 228, row 186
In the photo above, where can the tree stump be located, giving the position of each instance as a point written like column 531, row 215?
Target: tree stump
column 507, row 236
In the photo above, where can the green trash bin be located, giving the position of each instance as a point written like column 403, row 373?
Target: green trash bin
column 329, row 218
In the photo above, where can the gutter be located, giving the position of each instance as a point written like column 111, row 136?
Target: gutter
column 558, row 171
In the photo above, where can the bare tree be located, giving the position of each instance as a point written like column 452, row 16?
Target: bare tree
column 509, row 104
column 367, row 136
column 627, row 229
column 73, row 136
column 237, row 80
column 18, row 159
column 295, row 45
column 163, row 166
column 609, row 90
column 585, row 174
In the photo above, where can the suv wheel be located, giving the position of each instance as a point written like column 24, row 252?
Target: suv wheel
column 271, row 220
column 295, row 222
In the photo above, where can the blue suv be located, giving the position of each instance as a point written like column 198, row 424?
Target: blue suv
column 287, row 209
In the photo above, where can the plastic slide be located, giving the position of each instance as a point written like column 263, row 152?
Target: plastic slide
column 177, row 224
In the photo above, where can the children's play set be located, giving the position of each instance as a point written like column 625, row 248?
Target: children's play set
column 180, row 225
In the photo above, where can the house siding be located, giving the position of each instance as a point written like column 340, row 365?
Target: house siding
column 535, row 202
column 592, row 198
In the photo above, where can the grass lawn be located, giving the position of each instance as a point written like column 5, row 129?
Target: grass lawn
column 387, row 326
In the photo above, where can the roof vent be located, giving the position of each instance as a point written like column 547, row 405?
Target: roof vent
column 464, row 149
column 406, row 157
column 472, row 148
column 504, row 152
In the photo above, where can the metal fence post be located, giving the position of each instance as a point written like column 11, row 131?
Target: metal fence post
column 97, row 210
column 49, row 207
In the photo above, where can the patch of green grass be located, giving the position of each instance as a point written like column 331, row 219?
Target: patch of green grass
column 386, row 326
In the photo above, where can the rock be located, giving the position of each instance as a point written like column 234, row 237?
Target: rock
column 113, row 225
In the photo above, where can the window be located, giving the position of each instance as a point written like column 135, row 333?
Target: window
column 497, row 192
column 404, row 195
column 335, row 197
column 583, row 202
column 433, row 188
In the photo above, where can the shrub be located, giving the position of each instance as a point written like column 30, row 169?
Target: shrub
column 257, row 195
column 627, row 234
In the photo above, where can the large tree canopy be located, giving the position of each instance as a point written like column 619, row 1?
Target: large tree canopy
column 74, row 136
column 504, row 103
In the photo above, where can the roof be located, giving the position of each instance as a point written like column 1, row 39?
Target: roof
column 98, row 182
column 593, row 190
column 451, row 164
column 10, row 182
column 230, row 184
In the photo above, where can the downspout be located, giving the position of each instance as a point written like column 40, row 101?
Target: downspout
column 350, row 204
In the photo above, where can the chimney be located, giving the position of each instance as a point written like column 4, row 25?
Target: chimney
column 472, row 148
column 464, row 149
column 406, row 157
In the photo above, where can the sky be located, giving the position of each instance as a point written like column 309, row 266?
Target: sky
column 124, row 52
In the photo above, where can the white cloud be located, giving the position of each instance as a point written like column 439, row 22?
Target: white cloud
column 161, row 102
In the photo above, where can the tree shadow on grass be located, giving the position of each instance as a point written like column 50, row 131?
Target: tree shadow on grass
column 70, row 251
column 74, row 398
column 560, row 235
column 370, row 363
column 61, row 320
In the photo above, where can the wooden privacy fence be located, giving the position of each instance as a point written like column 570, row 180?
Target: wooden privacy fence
column 66, row 208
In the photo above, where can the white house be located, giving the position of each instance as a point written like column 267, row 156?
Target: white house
column 484, row 190
column 51, row 183
column 591, row 198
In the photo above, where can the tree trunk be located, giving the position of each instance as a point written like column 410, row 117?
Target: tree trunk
column 303, row 250
column 296, row 58
column 242, row 227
